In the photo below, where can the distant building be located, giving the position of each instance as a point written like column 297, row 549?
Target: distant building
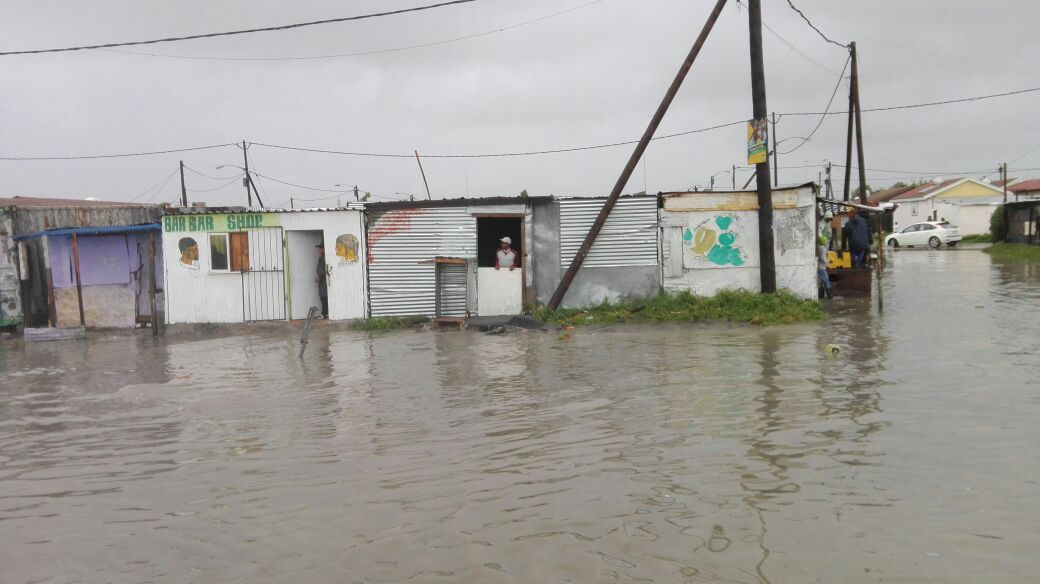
column 888, row 194
column 1024, row 190
column 964, row 202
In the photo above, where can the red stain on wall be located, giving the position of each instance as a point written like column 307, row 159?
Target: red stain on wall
column 392, row 222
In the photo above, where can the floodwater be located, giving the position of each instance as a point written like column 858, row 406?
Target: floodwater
column 632, row 453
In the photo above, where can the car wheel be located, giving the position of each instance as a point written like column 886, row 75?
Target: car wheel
column 934, row 242
column 893, row 243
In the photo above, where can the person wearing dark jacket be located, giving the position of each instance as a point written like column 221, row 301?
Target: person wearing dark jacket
column 857, row 234
column 322, row 280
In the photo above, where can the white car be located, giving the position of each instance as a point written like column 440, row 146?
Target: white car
column 930, row 233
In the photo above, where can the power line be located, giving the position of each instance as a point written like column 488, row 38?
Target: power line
column 126, row 155
column 159, row 185
column 238, row 32
column 202, row 174
column 841, row 78
column 920, row 105
column 496, row 154
column 230, row 182
column 798, row 52
column 341, row 192
column 813, row 26
column 370, row 52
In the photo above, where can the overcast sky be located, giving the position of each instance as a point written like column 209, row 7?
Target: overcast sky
column 590, row 76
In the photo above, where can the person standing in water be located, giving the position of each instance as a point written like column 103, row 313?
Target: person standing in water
column 322, row 280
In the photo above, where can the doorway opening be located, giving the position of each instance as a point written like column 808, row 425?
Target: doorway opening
column 490, row 231
column 303, row 269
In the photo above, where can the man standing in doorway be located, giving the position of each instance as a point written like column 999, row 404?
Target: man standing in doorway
column 322, row 280
column 505, row 257
column 858, row 235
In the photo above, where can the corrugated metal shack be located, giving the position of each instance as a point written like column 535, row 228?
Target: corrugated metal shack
column 710, row 240
column 32, row 217
column 432, row 258
column 623, row 262
column 1024, row 222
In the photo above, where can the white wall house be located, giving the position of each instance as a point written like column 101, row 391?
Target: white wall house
column 966, row 203
column 238, row 265
column 710, row 241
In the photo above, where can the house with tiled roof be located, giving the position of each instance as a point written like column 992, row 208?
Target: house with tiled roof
column 965, row 202
column 1023, row 190
column 886, row 195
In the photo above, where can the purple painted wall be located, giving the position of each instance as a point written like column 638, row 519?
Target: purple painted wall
column 103, row 259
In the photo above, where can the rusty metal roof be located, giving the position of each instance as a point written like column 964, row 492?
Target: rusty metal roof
column 49, row 202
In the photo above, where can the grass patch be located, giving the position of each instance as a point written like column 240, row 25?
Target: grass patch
column 728, row 305
column 389, row 323
column 1014, row 251
column 977, row 238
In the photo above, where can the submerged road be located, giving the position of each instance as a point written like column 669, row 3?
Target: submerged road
column 632, row 453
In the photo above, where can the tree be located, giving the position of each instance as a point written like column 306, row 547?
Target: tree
column 997, row 225
column 523, row 194
column 366, row 196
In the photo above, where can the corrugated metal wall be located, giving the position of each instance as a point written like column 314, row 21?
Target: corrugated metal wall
column 628, row 238
column 453, row 284
column 29, row 220
column 402, row 244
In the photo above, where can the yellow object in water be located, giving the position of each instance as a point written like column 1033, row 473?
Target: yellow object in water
column 837, row 259
column 833, row 349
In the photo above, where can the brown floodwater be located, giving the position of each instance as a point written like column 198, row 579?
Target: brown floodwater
column 627, row 453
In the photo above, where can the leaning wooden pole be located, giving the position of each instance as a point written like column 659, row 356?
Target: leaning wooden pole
column 152, row 286
column 637, row 154
column 859, row 126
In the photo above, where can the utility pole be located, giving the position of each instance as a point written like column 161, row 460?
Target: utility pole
column 633, row 160
column 356, row 193
column 830, row 189
column 292, row 203
column 776, row 156
column 733, row 175
column 428, row 197
column 246, row 181
column 859, row 126
column 765, row 196
column 184, row 191
column 1007, row 227
column 852, row 118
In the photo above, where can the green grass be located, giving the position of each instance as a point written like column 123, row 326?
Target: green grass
column 1014, row 251
column 389, row 323
column 977, row 238
column 728, row 305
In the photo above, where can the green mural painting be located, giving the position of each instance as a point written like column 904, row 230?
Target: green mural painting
column 716, row 243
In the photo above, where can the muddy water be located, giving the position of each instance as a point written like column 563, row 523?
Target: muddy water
column 649, row 454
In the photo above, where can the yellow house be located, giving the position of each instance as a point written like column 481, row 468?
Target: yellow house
column 964, row 202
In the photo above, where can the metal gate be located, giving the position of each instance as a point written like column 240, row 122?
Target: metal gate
column 263, row 275
column 452, row 288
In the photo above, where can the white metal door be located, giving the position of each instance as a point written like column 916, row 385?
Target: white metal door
column 499, row 292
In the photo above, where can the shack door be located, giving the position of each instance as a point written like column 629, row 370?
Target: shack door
column 500, row 291
column 257, row 253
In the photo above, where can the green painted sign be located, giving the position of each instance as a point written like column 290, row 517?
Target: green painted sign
column 219, row 222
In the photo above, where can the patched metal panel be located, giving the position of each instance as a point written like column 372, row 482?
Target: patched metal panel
column 402, row 246
column 452, row 289
column 628, row 238
column 29, row 220
column 10, row 293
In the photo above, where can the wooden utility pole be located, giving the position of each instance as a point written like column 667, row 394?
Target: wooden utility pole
column 356, row 193
column 859, row 127
column 184, row 191
column 428, row 197
column 79, row 284
column 848, row 144
column 765, row 195
column 733, row 175
column 152, row 283
column 246, row 181
column 1007, row 228
column 633, row 160
column 776, row 156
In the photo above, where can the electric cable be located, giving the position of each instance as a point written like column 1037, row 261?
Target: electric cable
column 225, row 185
column 813, row 26
column 204, row 175
column 920, row 105
column 158, row 185
column 841, row 77
column 237, row 32
column 125, row 155
column 364, row 53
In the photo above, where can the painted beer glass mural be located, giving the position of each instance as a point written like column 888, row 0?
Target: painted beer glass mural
column 715, row 240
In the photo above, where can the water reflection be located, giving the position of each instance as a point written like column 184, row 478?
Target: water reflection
column 656, row 454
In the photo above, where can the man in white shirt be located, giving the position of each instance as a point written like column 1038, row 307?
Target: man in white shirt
column 505, row 257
